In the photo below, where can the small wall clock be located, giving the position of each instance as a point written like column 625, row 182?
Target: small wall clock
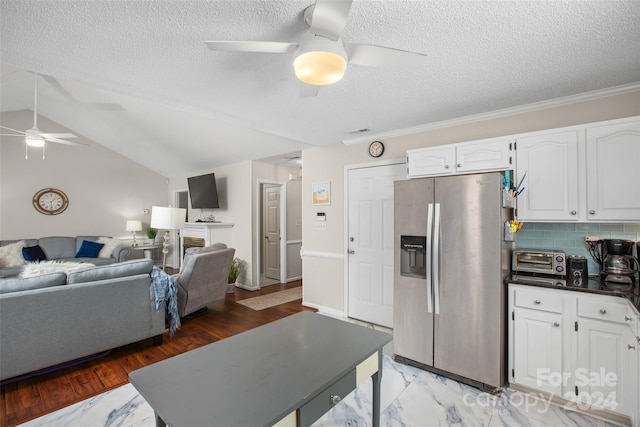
column 50, row 201
column 376, row 148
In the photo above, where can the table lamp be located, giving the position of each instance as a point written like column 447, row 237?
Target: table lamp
column 133, row 226
column 167, row 218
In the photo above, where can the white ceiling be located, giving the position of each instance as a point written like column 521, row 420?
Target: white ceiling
column 182, row 108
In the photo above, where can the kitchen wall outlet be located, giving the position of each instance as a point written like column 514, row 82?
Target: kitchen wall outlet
column 320, row 226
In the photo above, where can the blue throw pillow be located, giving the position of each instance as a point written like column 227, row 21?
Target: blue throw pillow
column 89, row 249
column 34, row 254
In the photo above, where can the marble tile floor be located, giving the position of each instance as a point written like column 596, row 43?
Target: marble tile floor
column 410, row 397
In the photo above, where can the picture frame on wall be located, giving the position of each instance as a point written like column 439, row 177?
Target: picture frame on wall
column 321, row 192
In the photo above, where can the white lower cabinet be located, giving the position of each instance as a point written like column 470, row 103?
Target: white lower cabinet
column 581, row 347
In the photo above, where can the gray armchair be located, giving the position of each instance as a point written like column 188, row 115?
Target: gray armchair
column 203, row 277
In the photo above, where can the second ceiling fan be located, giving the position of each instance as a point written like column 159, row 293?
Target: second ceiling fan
column 321, row 57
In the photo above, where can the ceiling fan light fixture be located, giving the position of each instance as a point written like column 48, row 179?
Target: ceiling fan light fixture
column 319, row 61
column 33, row 141
column 320, row 68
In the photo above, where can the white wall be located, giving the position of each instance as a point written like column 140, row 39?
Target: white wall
column 323, row 269
column 104, row 188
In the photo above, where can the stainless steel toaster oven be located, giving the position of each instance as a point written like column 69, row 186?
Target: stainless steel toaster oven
column 539, row 261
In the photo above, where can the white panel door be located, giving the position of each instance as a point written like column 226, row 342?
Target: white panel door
column 370, row 234
column 271, row 230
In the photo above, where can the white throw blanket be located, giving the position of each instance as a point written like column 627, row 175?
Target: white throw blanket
column 32, row 269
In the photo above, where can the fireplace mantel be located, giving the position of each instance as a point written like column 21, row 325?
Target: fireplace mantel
column 211, row 232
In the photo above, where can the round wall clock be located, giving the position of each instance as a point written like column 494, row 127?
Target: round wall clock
column 50, row 201
column 376, row 148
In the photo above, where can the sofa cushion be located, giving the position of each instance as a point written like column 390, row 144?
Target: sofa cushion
column 89, row 249
column 33, row 253
column 109, row 245
column 57, row 247
column 127, row 268
column 44, row 281
column 11, row 254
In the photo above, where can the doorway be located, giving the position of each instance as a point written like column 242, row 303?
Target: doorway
column 271, row 233
column 180, row 200
column 370, row 241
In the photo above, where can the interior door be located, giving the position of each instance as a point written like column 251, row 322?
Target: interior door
column 370, row 234
column 271, row 231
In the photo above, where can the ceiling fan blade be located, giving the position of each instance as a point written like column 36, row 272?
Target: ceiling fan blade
column 379, row 56
column 62, row 141
column 57, row 135
column 22, row 133
column 65, row 93
column 11, row 134
column 308, row 91
column 329, row 17
column 248, row 46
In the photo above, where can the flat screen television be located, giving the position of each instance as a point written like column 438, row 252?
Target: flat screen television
column 203, row 191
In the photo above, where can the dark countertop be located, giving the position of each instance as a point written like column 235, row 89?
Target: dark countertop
column 593, row 286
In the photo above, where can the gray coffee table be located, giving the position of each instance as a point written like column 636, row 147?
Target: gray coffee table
column 288, row 372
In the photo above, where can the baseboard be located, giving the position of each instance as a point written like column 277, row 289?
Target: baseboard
column 248, row 287
column 325, row 310
column 293, row 279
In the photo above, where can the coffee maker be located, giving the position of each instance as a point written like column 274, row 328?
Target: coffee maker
column 618, row 265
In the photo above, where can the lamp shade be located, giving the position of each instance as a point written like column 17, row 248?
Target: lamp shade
column 167, row 218
column 134, row 225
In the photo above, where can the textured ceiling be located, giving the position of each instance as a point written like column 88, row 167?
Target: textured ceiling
column 182, row 108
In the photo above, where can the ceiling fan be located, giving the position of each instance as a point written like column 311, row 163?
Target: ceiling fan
column 34, row 137
column 320, row 56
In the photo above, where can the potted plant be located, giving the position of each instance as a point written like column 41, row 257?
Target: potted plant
column 151, row 234
column 234, row 272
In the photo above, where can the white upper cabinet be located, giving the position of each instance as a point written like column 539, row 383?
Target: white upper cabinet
column 550, row 162
column 432, row 161
column 580, row 173
column 466, row 157
column 613, row 172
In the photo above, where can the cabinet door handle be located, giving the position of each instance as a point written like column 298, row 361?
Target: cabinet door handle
column 351, row 251
column 537, row 302
column 556, row 324
column 573, row 212
column 628, row 319
column 458, row 165
column 631, row 347
column 592, row 212
column 603, row 311
column 446, row 166
column 334, row 399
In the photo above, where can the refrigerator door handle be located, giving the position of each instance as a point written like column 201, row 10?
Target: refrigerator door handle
column 428, row 256
column 436, row 259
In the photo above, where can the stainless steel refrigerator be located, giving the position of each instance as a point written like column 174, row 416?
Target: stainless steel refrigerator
column 450, row 263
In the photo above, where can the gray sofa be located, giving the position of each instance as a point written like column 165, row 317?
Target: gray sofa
column 56, row 318
column 64, row 249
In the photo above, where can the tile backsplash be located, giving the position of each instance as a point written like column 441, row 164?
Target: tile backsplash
column 569, row 237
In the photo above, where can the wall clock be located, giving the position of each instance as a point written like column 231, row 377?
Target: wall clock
column 50, row 201
column 376, row 148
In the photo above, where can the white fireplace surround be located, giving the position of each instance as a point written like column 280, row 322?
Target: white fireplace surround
column 211, row 232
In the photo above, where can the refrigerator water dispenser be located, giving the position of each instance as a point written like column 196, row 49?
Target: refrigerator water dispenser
column 413, row 256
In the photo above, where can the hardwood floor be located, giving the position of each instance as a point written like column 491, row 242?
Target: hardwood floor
column 30, row 398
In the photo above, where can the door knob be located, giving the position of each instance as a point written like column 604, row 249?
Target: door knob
column 351, row 251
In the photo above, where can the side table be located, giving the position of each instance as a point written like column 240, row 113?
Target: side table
column 148, row 249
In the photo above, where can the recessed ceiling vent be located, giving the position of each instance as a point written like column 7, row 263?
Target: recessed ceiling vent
column 358, row 131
